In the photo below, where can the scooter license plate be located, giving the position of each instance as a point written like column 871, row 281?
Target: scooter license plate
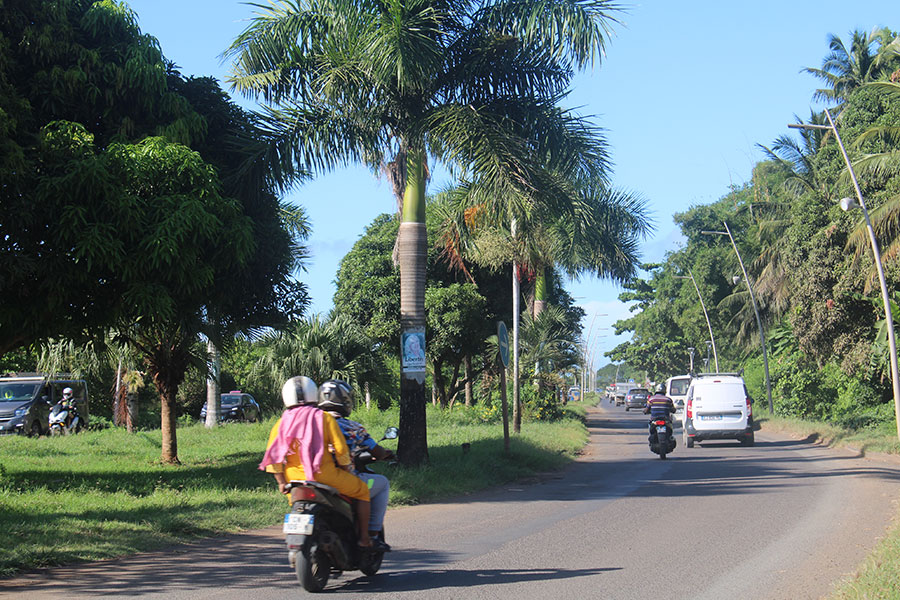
column 298, row 523
column 660, row 431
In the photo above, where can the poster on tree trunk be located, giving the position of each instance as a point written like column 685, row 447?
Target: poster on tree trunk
column 412, row 350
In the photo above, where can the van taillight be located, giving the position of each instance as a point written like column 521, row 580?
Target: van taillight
column 690, row 408
column 749, row 409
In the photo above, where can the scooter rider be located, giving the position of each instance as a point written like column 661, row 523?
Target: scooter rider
column 307, row 444
column 336, row 398
column 68, row 403
column 659, row 406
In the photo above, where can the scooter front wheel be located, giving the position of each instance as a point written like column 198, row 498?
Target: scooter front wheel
column 313, row 567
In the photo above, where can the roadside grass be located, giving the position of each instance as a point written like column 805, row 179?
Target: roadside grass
column 876, row 578
column 881, row 438
column 104, row 494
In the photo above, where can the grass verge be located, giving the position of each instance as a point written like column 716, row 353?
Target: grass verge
column 104, row 494
column 870, row 439
column 876, row 578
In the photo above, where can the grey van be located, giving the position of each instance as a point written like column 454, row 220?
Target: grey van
column 26, row 399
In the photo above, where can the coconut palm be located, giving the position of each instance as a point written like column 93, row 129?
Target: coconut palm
column 397, row 83
column 871, row 57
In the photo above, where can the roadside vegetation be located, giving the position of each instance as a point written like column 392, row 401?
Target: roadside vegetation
column 103, row 494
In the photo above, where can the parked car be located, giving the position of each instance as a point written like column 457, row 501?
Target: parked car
column 636, row 398
column 677, row 389
column 717, row 408
column 26, row 399
column 236, row 406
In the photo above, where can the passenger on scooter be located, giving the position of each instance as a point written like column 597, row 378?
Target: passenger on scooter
column 307, row 444
column 660, row 406
column 336, row 398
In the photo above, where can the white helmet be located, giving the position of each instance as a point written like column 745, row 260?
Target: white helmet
column 298, row 391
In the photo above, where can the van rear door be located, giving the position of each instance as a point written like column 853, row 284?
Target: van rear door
column 719, row 405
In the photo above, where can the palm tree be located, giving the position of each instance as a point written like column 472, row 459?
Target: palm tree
column 870, row 57
column 334, row 348
column 396, row 83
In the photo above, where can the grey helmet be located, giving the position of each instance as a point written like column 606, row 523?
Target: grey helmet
column 336, row 396
column 299, row 391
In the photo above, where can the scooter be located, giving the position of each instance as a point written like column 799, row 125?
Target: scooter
column 320, row 531
column 661, row 439
column 64, row 418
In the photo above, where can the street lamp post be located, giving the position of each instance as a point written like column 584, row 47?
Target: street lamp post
column 847, row 204
column 705, row 314
column 762, row 333
column 691, row 351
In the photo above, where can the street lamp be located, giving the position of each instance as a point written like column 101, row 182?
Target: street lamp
column 847, row 204
column 762, row 333
column 705, row 314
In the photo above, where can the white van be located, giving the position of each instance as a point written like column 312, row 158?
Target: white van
column 677, row 389
column 718, row 408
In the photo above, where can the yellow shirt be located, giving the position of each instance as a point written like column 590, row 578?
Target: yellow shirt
column 336, row 453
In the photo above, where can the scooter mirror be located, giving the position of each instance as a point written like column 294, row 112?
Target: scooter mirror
column 391, row 433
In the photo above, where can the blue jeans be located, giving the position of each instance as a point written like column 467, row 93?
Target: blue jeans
column 379, row 490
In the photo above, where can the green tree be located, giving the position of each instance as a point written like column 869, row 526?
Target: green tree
column 456, row 319
column 82, row 62
column 392, row 84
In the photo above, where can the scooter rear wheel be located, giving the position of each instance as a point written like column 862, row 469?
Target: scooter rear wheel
column 313, row 567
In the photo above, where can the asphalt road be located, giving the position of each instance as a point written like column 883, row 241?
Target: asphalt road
column 784, row 519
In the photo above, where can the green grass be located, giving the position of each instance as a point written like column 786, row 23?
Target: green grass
column 104, row 494
column 876, row 578
column 882, row 438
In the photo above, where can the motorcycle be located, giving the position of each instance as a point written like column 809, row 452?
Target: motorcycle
column 64, row 418
column 662, row 441
column 321, row 533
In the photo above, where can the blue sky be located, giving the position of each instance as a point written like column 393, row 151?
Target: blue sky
column 686, row 91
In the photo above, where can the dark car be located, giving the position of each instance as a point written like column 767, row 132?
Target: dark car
column 636, row 398
column 236, row 406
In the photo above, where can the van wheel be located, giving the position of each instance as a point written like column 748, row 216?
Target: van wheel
column 748, row 440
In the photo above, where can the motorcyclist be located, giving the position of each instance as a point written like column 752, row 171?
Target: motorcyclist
column 336, row 398
column 68, row 403
column 660, row 406
column 307, row 444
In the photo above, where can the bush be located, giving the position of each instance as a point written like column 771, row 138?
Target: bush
column 98, row 422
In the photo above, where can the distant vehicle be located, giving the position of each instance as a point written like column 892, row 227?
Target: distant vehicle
column 574, row 393
column 677, row 389
column 636, row 398
column 717, row 408
column 621, row 390
column 26, row 398
column 236, row 406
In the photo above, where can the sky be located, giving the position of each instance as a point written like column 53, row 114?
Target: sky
column 685, row 93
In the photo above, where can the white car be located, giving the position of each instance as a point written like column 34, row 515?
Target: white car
column 718, row 408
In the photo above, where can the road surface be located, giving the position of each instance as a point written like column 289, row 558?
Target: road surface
column 783, row 519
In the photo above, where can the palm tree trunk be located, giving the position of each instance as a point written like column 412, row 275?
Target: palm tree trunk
column 540, row 292
column 412, row 447
column 212, row 386
column 517, row 409
column 468, row 375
